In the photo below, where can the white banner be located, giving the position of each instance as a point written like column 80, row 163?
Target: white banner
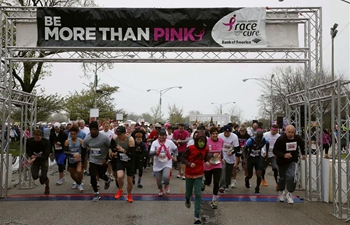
column 208, row 117
column 244, row 28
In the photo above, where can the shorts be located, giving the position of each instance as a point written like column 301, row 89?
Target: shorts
column 179, row 157
column 118, row 165
column 255, row 162
column 60, row 158
column 42, row 165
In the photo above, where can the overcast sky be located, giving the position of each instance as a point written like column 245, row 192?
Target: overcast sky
column 202, row 83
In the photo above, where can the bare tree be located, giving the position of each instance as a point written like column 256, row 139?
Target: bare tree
column 155, row 112
column 27, row 74
column 175, row 114
column 287, row 80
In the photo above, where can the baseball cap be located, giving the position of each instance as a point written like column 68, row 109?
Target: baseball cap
column 227, row 128
column 57, row 124
column 120, row 130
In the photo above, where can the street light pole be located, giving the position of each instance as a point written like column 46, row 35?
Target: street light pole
column 161, row 92
column 334, row 32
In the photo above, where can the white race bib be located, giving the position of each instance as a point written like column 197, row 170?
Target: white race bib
column 291, row 146
column 255, row 153
column 123, row 157
column 214, row 160
column 162, row 157
column 95, row 151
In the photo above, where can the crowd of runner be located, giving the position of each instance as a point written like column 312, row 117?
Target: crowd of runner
column 202, row 155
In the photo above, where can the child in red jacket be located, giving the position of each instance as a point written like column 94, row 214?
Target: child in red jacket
column 194, row 158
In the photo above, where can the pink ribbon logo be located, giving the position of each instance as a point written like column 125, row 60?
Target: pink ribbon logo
column 230, row 24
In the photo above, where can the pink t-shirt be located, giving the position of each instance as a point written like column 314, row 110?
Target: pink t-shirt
column 214, row 147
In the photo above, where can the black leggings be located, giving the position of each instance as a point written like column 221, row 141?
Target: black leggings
column 95, row 169
column 216, row 173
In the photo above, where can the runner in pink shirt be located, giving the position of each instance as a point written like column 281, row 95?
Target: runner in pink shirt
column 212, row 168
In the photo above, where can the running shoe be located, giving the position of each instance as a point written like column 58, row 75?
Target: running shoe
column 81, row 187
column 60, row 181
column 161, row 193
column 183, row 177
column 234, row 183
column 257, row 191
column 187, row 203
column 47, row 190
column 264, row 183
column 107, row 183
column 167, row 189
column 86, row 173
column 96, row 198
column 227, row 189
column 281, row 196
column 75, row 186
column 118, row 194
column 203, row 186
column 178, row 176
column 214, row 204
column 221, row 190
column 197, row 221
column 139, row 185
column 129, row 198
column 289, row 197
column 247, row 185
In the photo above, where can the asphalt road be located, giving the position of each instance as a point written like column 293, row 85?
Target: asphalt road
column 245, row 208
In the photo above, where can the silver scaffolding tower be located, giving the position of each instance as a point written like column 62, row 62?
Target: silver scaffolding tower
column 309, row 20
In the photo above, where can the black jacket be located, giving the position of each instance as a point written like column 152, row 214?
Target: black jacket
column 283, row 145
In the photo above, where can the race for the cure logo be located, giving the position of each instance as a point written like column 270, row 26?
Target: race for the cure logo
column 241, row 28
column 231, row 23
column 244, row 27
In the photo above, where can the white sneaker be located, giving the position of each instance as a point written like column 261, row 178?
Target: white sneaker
column 281, row 196
column 289, row 197
column 60, row 181
column 81, row 188
column 75, row 185
column 167, row 189
column 234, row 183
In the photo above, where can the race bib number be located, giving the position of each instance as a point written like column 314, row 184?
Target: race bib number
column 227, row 147
column 123, row 157
column 95, row 151
column 71, row 160
column 255, row 153
column 214, row 160
column 58, row 146
column 291, row 146
column 162, row 157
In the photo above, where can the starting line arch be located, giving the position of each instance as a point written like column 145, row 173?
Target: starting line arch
column 307, row 20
